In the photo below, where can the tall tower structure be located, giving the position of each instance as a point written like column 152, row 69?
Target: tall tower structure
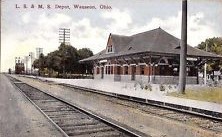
column 32, row 58
column 38, row 52
column 64, row 35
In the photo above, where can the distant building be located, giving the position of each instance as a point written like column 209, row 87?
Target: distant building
column 32, row 55
column 150, row 57
column 19, row 66
column 38, row 52
column 32, row 58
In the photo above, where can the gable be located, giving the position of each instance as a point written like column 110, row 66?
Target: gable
column 110, row 46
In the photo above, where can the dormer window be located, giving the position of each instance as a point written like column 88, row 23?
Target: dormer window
column 110, row 48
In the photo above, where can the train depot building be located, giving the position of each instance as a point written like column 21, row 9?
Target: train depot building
column 149, row 57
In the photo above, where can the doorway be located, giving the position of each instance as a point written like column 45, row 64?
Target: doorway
column 102, row 72
column 133, row 72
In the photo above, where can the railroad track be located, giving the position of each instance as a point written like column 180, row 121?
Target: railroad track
column 70, row 119
column 175, row 107
column 184, row 109
column 197, row 119
column 203, row 121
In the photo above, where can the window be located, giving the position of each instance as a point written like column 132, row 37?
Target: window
column 163, row 69
column 110, row 48
column 97, row 70
column 126, row 70
column 142, row 70
column 108, row 69
column 111, row 70
column 118, row 70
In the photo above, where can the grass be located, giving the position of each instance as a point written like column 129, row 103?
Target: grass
column 210, row 94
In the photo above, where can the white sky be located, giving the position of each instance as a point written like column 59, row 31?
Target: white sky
column 25, row 29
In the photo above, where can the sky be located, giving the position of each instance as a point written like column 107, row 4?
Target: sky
column 25, row 29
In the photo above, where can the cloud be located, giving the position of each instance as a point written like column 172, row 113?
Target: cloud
column 119, row 20
column 198, row 27
column 33, row 31
column 26, row 18
column 83, row 34
column 41, row 30
column 54, row 20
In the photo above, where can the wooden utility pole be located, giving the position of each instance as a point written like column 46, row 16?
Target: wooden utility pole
column 183, row 49
column 205, row 67
column 0, row 35
column 64, row 35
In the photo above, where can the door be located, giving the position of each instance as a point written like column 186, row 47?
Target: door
column 133, row 72
column 102, row 72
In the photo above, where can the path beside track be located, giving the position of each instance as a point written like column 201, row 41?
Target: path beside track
column 18, row 117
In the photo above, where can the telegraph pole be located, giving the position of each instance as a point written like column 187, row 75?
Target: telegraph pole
column 205, row 68
column 183, row 49
column 39, row 51
column 0, row 36
column 64, row 35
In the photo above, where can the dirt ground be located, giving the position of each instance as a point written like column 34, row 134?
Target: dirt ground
column 18, row 117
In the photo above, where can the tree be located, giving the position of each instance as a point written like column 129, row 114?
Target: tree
column 214, row 45
column 53, row 62
column 40, row 63
column 85, row 53
column 64, row 60
column 69, row 58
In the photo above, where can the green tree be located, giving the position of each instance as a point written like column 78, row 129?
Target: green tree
column 53, row 62
column 64, row 60
column 40, row 63
column 69, row 58
column 214, row 45
column 85, row 53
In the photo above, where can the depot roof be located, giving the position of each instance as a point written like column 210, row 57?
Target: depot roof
column 156, row 41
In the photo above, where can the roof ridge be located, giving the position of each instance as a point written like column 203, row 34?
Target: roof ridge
column 159, row 28
column 135, row 35
column 119, row 35
column 146, row 31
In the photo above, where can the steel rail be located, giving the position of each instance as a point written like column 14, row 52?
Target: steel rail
column 104, row 120
column 174, row 107
column 63, row 132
